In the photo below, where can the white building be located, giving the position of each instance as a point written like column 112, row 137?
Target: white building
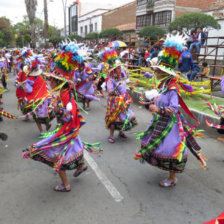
column 91, row 22
column 217, row 11
column 62, row 31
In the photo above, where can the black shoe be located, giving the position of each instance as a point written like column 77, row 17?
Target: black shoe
column 1, row 119
column 3, row 136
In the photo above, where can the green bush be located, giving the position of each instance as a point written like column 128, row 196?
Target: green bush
column 152, row 32
column 111, row 33
column 92, row 35
column 75, row 37
column 192, row 21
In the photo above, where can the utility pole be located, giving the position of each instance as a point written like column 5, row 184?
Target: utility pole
column 64, row 2
column 45, row 24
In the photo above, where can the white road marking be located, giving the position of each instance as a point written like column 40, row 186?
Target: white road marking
column 102, row 177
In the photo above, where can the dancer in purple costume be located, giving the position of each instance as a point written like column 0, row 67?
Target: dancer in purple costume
column 83, row 77
column 165, row 142
column 119, row 114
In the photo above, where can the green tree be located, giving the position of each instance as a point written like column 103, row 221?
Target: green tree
column 153, row 32
column 55, row 40
column 52, row 31
column 22, row 29
column 111, row 33
column 75, row 37
column 92, row 35
column 193, row 20
column 6, row 32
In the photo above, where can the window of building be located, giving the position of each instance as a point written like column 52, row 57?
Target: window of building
column 142, row 2
column 95, row 27
column 86, row 29
column 74, row 10
column 81, row 29
column 74, row 21
column 143, row 21
column 91, row 28
column 162, row 18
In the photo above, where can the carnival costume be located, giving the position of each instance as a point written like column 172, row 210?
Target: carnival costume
column 62, row 149
column 119, row 115
column 20, row 81
column 84, row 80
column 101, row 70
column 36, row 89
column 164, row 143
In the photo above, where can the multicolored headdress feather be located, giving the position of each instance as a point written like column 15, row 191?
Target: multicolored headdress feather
column 26, row 53
column 44, row 51
column 34, row 61
column 172, row 50
column 68, row 59
column 53, row 53
column 109, row 56
column 16, row 52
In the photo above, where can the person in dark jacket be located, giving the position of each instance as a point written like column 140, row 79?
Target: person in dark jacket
column 186, row 63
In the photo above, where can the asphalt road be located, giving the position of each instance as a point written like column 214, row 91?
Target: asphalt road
column 114, row 190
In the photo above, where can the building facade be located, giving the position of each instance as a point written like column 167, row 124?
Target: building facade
column 162, row 12
column 73, row 13
column 216, row 37
column 91, row 22
column 122, row 18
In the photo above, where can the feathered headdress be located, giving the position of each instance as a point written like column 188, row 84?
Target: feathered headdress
column 171, row 53
column 68, row 60
column 53, row 53
column 172, row 50
column 26, row 53
column 16, row 52
column 44, row 51
column 109, row 56
column 34, row 63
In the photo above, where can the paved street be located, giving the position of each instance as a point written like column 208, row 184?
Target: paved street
column 132, row 195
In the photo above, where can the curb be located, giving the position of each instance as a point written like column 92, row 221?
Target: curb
column 198, row 114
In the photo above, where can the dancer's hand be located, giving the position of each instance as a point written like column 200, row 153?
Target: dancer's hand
column 153, row 108
column 202, row 160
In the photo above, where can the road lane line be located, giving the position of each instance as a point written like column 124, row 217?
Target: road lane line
column 102, row 177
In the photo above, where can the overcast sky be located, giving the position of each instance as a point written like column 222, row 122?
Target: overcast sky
column 15, row 9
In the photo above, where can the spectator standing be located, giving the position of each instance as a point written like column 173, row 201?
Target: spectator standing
column 186, row 63
column 154, row 54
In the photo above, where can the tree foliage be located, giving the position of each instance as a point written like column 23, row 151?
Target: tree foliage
column 22, row 29
column 55, row 40
column 75, row 37
column 111, row 33
column 92, row 35
column 6, row 32
column 153, row 32
column 192, row 21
